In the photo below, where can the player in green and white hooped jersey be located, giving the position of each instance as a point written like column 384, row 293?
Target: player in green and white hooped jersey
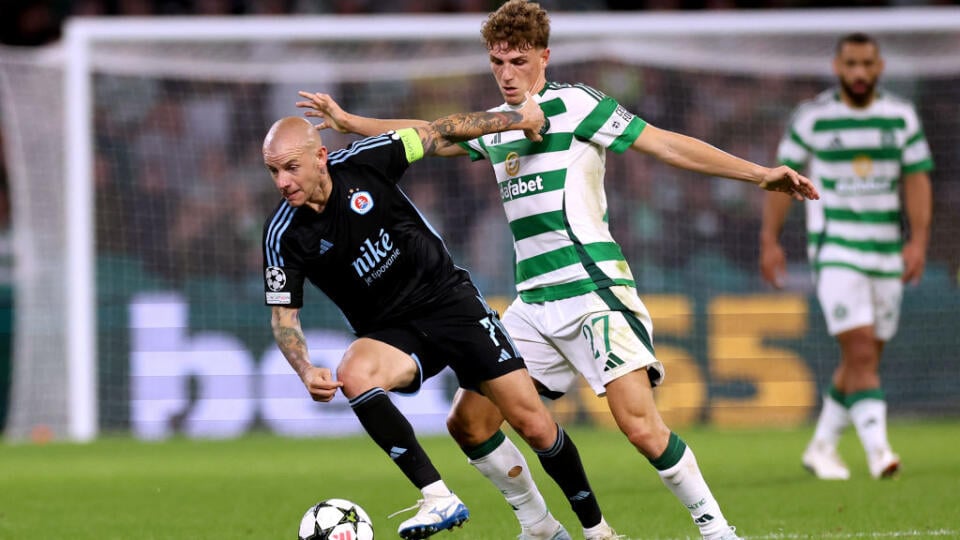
column 577, row 310
column 861, row 146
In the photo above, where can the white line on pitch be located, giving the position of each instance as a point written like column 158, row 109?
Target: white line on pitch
column 886, row 534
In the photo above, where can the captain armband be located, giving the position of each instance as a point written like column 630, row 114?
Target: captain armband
column 412, row 144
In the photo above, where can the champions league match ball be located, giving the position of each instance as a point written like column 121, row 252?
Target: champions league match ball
column 335, row 519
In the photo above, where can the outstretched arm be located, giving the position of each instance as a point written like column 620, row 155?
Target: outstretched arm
column 449, row 128
column 918, row 204
column 285, row 323
column 445, row 132
column 332, row 116
column 695, row 155
column 440, row 136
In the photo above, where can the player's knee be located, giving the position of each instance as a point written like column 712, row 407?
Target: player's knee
column 648, row 434
column 538, row 430
column 469, row 432
column 458, row 428
column 357, row 378
column 860, row 356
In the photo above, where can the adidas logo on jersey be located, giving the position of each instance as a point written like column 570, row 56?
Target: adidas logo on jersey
column 325, row 246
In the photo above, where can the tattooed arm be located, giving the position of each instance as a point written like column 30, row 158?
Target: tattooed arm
column 444, row 133
column 289, row 337
column 438, row 137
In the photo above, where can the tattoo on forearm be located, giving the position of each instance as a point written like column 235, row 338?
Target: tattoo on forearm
column 466, row 126
column 293, row 345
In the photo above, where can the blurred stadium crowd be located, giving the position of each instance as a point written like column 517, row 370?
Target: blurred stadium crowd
column 34, row 22
column 202, row 212
column 677, row 228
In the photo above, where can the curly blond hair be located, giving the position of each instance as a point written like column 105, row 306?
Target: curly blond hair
column 519, row 24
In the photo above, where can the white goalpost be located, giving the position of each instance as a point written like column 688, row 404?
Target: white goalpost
column 125, row 138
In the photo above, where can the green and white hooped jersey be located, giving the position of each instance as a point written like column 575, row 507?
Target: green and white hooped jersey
column 553, row 195
column 856, row 158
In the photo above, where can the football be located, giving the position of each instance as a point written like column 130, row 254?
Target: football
column 335, row 519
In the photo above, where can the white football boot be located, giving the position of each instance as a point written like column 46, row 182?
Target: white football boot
column 601, row 532
column 822, row 460
column 883, row 464
column 547, row 529
column 434, row 514
column 729, row 534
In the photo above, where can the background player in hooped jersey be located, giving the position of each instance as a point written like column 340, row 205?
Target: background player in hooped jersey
column 346, row 226
column 861, row 145
column 577, row 309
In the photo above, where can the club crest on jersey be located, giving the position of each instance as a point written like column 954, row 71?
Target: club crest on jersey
column 361, row 202
column 862, row 166
column 512, row 163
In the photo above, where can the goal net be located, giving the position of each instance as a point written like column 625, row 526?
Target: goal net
column 139, row 195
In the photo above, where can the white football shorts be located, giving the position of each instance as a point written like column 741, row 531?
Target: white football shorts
column 851, row 299
column 603, row 335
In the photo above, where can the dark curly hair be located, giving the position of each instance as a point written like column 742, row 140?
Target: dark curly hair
column 518, row 23
column 856, row 38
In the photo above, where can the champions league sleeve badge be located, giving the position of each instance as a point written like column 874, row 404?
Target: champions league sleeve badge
column 361, row 202
column 276, row 280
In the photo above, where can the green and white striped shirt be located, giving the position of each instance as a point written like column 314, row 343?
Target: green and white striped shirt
column 552, row 192
column 856, row 158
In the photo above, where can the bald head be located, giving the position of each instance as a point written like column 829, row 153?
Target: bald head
column 289, row 133
column 297, row 161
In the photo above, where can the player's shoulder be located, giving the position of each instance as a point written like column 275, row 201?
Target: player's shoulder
column 572, row 92
column 822, row 102
column 283, row 210
column 892, row 99
column 361, row 148
column 278, row 221
column 807, row 111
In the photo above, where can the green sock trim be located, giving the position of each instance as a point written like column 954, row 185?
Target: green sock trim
column 485, row 448
column 873, row 393
column 837, row 395
column 671, row 456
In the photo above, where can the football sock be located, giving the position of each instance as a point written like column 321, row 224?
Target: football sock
column 834, row 418
column 601, row 527
column 436, row 489
column 679, row 471
column 502, row 463
column 562, row 463
column 868, row 410
column 392, row 432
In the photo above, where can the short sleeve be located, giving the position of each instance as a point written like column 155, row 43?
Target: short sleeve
column 793, row 150
column 283, row 276
column 606, row 122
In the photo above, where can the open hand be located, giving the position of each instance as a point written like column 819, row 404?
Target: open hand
column 914, row 261
column 786, row 180
column 324, row 107
column 773, row 264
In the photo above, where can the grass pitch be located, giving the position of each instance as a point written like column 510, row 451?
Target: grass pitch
column 257, row 487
